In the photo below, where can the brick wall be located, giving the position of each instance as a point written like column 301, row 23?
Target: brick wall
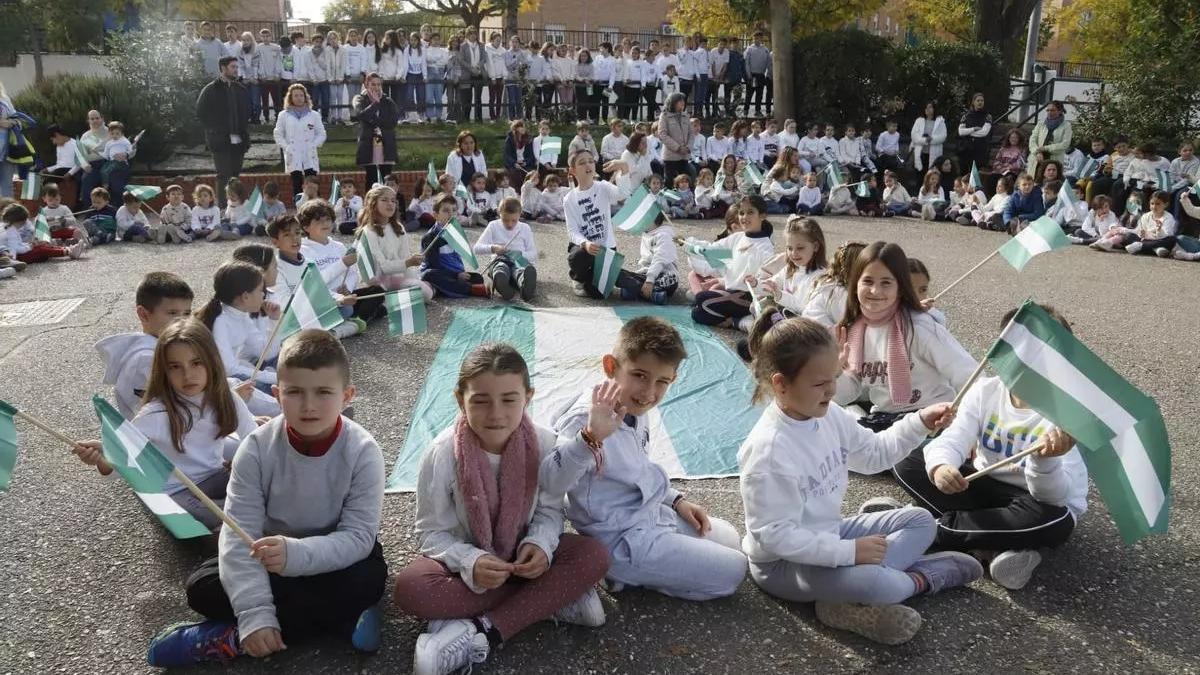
column 626, row 16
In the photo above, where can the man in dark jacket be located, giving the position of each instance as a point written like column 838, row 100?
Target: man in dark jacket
column 223, row 109
column 735, row 75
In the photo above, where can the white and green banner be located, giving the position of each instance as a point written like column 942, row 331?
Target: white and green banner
column 368, row 269
column 1040, row 236
column 142, row 192
column 1119, row 430
column 976, row 179
column 255, row 205
column 549, row 148
column 606, row 269
column 311, row 306
column 41, row 229
column 638, row 213
column 456, row 239
column 8, row 444
column 31, row 187
column 694, row 433
column 406, row 312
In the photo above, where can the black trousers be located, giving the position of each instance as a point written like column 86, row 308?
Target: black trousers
column 990, row 515
column 306, row 607
column 581, row 268
column 228, row 163
column 298, row 181
column 600, row 104
column 371, row 308
column 376, row 173
column 758, row 94
column 650, row 96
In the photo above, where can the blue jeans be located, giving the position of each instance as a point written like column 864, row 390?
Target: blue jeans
column 700, row 95
column 676, row 561
column 806, row 210
column 7, row 171
column 321, row 99
column 414, row 93
column 433, row 100
column 1189, row 244
column 512, row 97
column 909, row 531
column 89, row 180
column 777, row 208
column 254, row 92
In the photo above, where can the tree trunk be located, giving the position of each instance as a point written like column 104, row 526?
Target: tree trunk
column 781, row 60
column 1002, row 24
column 510, row 18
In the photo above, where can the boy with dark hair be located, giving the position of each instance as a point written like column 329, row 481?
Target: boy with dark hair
column 272, row 206
column 161, row 298
column 587, row 210
column 287, row 237
column 657, row 539
column 101, row 223
column 443, row 268
column 338, row 267
column 18, row 238
column 132, row 224
column 175, row 219
column 60, row 218
column 308, row 487
column 65, row 161
column 1007, row 516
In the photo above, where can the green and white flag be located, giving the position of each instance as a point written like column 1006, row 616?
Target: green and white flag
column 517, row 259
column 256, row 205
column 406, row 312
column 1040, row 236
column 1072, row 210
column 1118, row 429
column 605, row 270
column 1133, row 205
column 638, row 212
column 456, row 239
column 753, row 175
column 549, row 149
column 367, row 267
column 8, row 444
column 145, row 469
column 671, row 195
column 976, row 179
column 1162, row 179
column 80, row 158
column 1089, row 168
column 41, row 229
column 715, row 256
column 431, row 177
column 833, row 177
column 31, row 187
column 719, row 179
column 334, row 188
column 143, row 192
column 311, row 306
column 460, row 191
column 863, row 190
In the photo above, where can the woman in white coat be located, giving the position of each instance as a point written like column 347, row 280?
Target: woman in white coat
column 300, row 134
column 467, row 160
column 928, row 136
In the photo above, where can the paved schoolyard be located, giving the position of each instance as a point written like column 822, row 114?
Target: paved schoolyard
column 86, row 577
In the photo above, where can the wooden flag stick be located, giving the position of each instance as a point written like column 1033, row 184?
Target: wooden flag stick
column 1007, row 461
column 211, row 505
column 48, row 429
column 438, row 227
column 274, row 331
column 970, row 381
column 968, row 273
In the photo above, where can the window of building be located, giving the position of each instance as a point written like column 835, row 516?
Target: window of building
column 610, row 34
column 556, row 33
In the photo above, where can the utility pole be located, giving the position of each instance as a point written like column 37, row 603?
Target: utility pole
column 1031, row 49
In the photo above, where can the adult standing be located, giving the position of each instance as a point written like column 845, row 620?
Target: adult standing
column 675, row 129
column 210, row 48
column 249, row 64
column 515, row 61
column 974, row 133
column 377, row 116
column 270, row 72
column 474, row 63
column 758, row 60
column 414, row 87
column 224, row 111
column 90, row 144
column 1050, row 140
column 518, row 153
column 735, row 76
column 928, row 136
column 300, row 133
column 497, row 71
column 7, row 123
column 466, row 160
column 700, row 72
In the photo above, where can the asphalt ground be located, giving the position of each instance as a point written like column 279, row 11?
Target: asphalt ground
column 87, row 577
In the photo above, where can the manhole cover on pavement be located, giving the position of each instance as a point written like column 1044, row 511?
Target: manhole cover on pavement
column 38, row 313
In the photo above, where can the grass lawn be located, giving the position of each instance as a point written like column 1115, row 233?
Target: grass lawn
column 417, row 144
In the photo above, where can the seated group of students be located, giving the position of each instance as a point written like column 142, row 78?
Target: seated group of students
column 306, row 482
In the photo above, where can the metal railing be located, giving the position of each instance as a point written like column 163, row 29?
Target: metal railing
column 1078, row 70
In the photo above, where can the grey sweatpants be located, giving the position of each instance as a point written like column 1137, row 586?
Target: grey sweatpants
column 676, row 561
column 909, row 531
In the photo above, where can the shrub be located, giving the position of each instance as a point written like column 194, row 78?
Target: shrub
column 948, row 74
column 842, row 77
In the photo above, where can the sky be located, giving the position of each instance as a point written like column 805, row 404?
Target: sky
column 309, row 9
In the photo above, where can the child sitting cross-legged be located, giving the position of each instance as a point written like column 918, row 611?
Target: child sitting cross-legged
column 101, row 221
column 238, row 219
column 685, row 207
column 656, row 277
column 1003, row 518
column 795, row 467
column 379, row 225
column 1154, row 234
column 206, row 215
column 61, row 220
column 1099, row 222
column 511, row 242
column 347, row 207
column 657, row 539
column 132, row 224
column 804, row 251
column 702, row 277
column 238, row 294
column 338, row 267
column 308, row 488
column 442, row 267
column 494, row 559
column 729, row 306
column 19, row 239
column 550, row 203
column 479, row 202
column 175, row 219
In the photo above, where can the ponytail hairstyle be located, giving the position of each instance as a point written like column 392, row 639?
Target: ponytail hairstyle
column 496, row 358
column 217, row 395
column 259, row 255
column 784, row 346
column 230, row 280
column 810, row 230
column 366, row 215
column 843, row 259
column 896, row 262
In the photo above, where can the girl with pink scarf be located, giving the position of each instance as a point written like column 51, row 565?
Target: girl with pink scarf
column 494, row 559
column 898, row 357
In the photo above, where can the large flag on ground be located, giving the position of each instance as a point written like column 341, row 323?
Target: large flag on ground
column 406, row 312
column 715, row 256
column 638, row 213
column 605, row 270
column 549, row 149
column 256, row 205
column 431, row 177
column 8, row 444
column 456, row 239
column 143, row 192
column 41, row 229
column 976, row 179
column 367, row 267
column 1118, row 429
column 31, row 187
column 334, row 188
column 311, row 306
column 1040, row 236
column 694, row 433
column 145, row 469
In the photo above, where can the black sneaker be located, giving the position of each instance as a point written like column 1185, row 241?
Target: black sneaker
column 502, row 283
column 743, row 350
column 528, row 283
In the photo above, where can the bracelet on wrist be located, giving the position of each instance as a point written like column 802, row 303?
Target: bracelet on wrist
column 596, row 446
column 675, row 502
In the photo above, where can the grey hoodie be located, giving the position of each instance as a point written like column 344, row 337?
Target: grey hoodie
column 675, row 130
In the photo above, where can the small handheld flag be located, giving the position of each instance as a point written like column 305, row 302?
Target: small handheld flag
column 1089, row 168
column 367, row 267
column 605, row 270
column 431, row 177
column 549, row 150
column 8, row 444
column 713, row 255
column 671, row 195
column 976, row 179
column 144, row 192
column 517, row 259
column 41, row 229
column 1133, row 205
column 719, row 179
column 256, row 205
column 31, row 187
column 80, row 158
column 638, row 213
column 1042, row 235
column 833, row 177
column 1162, row 179
column 460, row 190
column 335, row 188
column 863, row 190
column 1118, row 429
column 406, row 312
column 454, row 237
column 752, row 174
column 1066, row 197
column 311, row 306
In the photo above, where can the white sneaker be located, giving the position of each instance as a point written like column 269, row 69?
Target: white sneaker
column 214, row 235
column 1162, row 252
column 877, row 504
column 76, row 251
column 578, row 289
column 449, row 646
column 1181, row 254
column 927, row 212
column 745, row 323
column 1075, row 240
column 1134, row 248
column 7, row 273
column 586, row 611
column 1012, row 569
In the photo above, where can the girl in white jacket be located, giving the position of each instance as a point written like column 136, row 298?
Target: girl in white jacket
column 827, row 301
column 928, row 135
column 379, row 226
column 743, row 254
column 300, row 133
column 794, row 473
column 804, row 248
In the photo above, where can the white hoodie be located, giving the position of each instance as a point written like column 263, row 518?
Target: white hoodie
column 749, row 255
column 328, row 259
column 794, row 475
column 127, row 358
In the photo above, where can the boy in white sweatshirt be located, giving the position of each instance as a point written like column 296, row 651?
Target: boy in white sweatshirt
column 656, row 277
column 511, row 242
column 698, row 158
column 587, row 210
column 337, row 265
column 1007, row 516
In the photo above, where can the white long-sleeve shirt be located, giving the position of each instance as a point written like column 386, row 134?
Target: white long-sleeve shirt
column 519, row 239
column 203, row 451
column 826, row 304
column 1149, row 227
column 988, row 423
column 391, row 251
column 698, row 147
column 658, row 257
column 888, row 144
column 796, row 288
column 809, row 147
column 328, row 259
column 715, row 148
column 750, row 251
column 64, row 158
column 794, row 475
column 810, row 197
column 850, row 152
column 612, row 146
column 1096, row 226
column 233, row 330
column 589, row 214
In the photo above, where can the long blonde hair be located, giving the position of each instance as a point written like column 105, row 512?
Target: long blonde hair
column 217, row 394
column 366, row 216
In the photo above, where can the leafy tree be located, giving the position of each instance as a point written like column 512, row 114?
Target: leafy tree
column 472, row 12
column 1000, row 23
column 1095, row 28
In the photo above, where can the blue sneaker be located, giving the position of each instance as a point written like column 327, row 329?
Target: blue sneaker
column 947, row 569
column 658, row 297
column 366, row 632
column 185, row 644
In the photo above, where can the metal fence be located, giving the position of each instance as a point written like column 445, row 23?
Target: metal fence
column 1078, row 70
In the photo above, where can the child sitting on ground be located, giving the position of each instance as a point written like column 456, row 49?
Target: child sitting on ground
column 131, row 220
column 968, row 202
column 1099, row 222
column 388, row 244
column 685, row 206
column 511, row 242
column 1025, row 207
column 311, row 190
column 531, row 196
column 101, row 223
column 657, row 539
column 706, row 196
column 490, row 566
column 442, row 267
column 550, row 203
column 238, row 218
column 206, row 215
column 420, row 210
column 503, row 191
column 931, row 199
column 808, row 198
column 920, row 280
column 702, row 276
column 896, row 200
column 308, row 489
column 175, row 219
column 794, row 474
column 1006, row 517
column 827, row 302
column 449, row 188
column 588, row 209
column 273, row 207
column 1154, row 234
column 347, row 207
column 804, row 251
column 656, row 277
column 238, row 293
column 868, row 198
column 992, row 213
column 1065, row 214
column 21, row 243
column 479, row 202
column 779, row 192
column 729, row 306
column 338, row 268
column 63, row 225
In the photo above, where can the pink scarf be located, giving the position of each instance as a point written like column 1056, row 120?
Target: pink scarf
column 899, row 370
column 497, row 511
